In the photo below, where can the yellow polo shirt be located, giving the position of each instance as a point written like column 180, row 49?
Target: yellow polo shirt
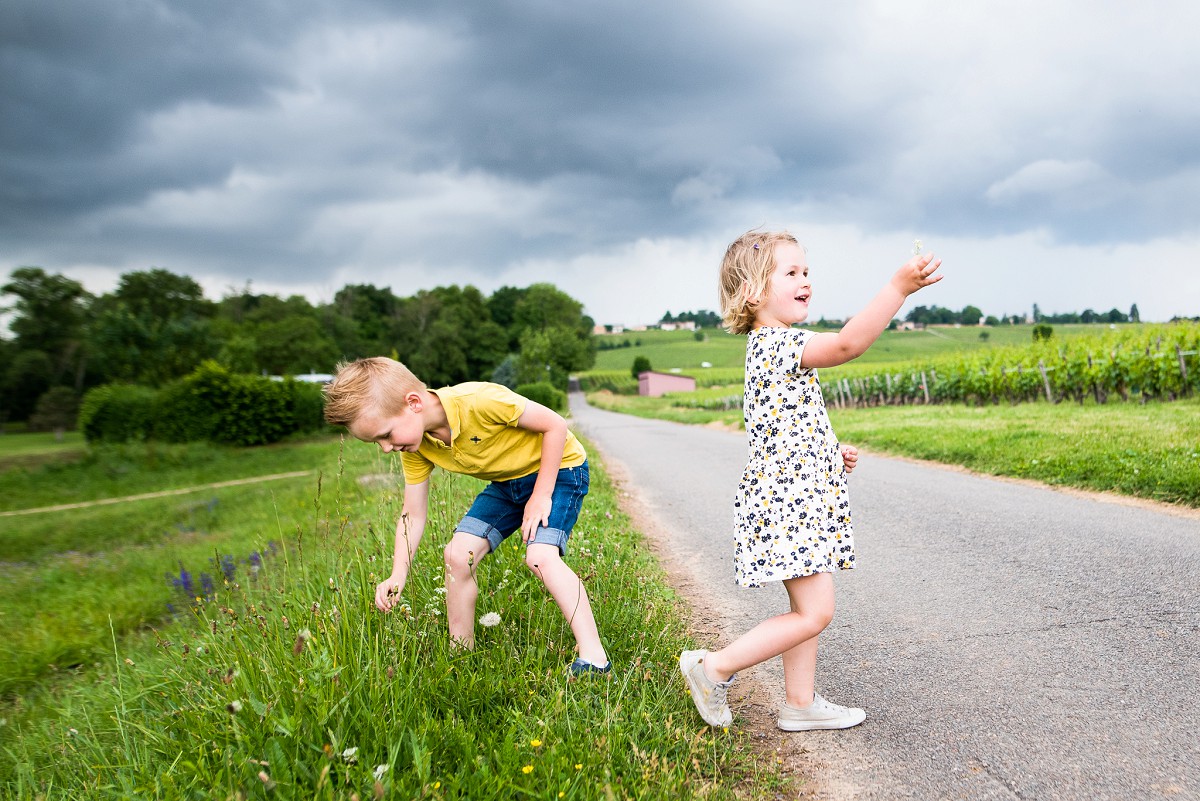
column 485, row 440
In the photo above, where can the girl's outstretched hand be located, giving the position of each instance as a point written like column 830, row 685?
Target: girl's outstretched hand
column 917, row 273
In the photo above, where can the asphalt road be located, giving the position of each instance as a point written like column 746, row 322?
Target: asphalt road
column 1008, row 641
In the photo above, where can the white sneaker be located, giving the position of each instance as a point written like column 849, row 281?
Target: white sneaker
column 820, row 715
column 709, row 696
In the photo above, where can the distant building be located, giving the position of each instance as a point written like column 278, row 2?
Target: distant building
column 307, row 378
column 690, row 325
column 654, row 385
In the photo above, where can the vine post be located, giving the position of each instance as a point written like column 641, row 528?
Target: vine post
column 1045, row 381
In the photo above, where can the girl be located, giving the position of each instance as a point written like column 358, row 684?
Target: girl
column 792, row 514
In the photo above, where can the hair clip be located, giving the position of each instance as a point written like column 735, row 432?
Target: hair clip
column 756, row 246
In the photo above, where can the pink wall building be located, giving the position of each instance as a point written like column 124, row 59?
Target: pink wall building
column 654, row 384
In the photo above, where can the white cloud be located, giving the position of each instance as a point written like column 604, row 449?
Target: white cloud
column 1084, row 180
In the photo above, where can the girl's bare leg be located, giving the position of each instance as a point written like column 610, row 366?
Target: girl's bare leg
column 812, row 605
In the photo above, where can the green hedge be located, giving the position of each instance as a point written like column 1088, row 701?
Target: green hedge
column 544, row 393
column 210, row 404
column 117, row 412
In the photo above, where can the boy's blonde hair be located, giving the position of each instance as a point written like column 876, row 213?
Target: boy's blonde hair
column 745, row 277
column 377, row 383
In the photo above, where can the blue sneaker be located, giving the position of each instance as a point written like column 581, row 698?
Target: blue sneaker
column 582, row 667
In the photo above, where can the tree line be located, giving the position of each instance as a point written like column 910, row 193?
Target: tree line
column 939, row 315
column 972, row 315
column 157, row 326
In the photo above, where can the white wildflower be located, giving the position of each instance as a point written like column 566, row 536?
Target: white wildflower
column 234, row 707
column 380, row 770
column 490, row 619
column 350, row 755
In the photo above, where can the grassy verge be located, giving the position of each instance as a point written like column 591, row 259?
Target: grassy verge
column 1149, row 451
column 30, row 450
column 72, row 579
column 282, row 681
column 1145, row 450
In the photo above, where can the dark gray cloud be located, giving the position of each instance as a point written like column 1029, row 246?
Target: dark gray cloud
column 307, row 143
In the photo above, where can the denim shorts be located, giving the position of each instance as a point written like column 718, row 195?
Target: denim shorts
column 500, row 508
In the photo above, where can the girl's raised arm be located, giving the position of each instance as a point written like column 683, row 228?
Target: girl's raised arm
column 830, row 350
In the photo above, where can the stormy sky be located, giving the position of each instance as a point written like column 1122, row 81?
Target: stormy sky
column 1048, row 151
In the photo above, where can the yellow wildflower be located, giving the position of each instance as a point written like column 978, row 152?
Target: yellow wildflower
column 527, row 769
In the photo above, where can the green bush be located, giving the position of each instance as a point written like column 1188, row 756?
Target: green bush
column 117, row 413
column 56, row 410
column 640, row 365
column 217, row 405
column 545, row 394
column 209, row 404
column 308, row 405
column 186, row 411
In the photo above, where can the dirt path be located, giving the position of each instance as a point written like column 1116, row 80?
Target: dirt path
column 62, row 507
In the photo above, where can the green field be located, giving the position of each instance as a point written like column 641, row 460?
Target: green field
column 667, row 350
column 128, row 673
column 1147, row 450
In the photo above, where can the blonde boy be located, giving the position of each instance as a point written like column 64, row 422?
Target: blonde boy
column 537, row 468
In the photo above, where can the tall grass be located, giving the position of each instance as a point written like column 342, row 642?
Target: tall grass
column 283, row 681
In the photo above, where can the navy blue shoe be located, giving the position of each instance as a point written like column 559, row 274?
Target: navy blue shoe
column 582, row 667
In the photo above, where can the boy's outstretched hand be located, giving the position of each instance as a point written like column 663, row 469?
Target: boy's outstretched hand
column 917, row 273
column 387, row 594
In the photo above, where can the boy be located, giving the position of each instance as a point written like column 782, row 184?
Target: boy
column 537, row 468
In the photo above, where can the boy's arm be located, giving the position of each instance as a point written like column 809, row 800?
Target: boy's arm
column 830, row 350
column 553, row 429
column 409, row 530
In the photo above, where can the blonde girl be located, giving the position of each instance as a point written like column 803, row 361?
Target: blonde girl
column 792, row 513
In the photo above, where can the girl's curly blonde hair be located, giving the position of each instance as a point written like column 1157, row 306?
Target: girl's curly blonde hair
column 745, row 277
column 376, row 384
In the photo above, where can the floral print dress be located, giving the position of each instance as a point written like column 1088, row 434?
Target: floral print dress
column 792, row 510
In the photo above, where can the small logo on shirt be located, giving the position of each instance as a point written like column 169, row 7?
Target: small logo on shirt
column 476, row 440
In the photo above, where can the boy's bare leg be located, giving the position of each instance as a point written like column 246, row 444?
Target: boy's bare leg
column 567, row 591
column 462, row 557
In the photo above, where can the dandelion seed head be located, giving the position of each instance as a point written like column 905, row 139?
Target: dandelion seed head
column 234, row 707
column 490, row 619
column 917, row 247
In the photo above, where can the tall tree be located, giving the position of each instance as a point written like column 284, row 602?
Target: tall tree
column 153, row 327
column 371, row 312
column 49, row 316
column 502, row 306
column 445, row 335
column 556, row 337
